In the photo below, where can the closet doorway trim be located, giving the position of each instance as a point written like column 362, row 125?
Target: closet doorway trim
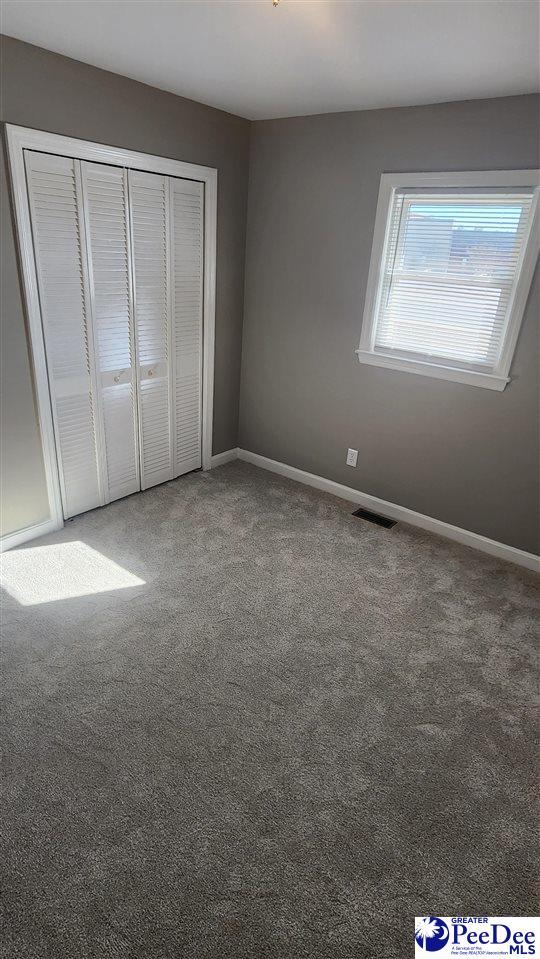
column 22, row 138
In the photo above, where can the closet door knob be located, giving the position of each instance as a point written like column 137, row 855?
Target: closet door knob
column 116, row 379
column 150, row 372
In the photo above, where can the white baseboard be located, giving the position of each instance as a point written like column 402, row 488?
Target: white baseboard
column 401, row 513
column 220, row 458
column 392, row 510
column 31, row 532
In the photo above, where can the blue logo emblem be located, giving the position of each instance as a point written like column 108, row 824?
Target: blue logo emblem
column 431, row 933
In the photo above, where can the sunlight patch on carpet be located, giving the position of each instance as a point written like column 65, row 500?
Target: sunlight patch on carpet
column 45, row 574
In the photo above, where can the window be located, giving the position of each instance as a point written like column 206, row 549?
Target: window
column 452, row 261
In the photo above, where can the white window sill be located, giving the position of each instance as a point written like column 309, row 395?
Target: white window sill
column 489, row 381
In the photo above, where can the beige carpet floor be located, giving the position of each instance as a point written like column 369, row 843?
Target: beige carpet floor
column 240, row 723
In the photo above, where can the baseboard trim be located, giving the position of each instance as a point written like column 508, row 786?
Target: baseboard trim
column 401, row 513
column 221, row 458
column 25, row 535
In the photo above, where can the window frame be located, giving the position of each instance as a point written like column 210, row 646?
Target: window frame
column 390, row 184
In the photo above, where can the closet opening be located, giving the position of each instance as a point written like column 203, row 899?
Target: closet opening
column 118, row 253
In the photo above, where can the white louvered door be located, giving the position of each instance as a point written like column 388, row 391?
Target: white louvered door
column 107, row 229
column 119, row 261
column 149, row 203
column 187, row 212
column 56, row 212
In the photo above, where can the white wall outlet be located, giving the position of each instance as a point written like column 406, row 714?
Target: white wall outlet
column 352, row 457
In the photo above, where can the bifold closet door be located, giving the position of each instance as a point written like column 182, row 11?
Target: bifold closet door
column 149, row 205
column 119, row 259
column 59, row 247
column 187, row 220
column 167, row 243
column 107, row 232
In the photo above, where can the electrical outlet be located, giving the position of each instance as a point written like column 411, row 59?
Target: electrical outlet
column 352, row 457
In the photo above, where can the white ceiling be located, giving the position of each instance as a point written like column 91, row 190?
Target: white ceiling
column 302, row 57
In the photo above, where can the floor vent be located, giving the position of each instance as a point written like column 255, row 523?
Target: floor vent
column 375, row 518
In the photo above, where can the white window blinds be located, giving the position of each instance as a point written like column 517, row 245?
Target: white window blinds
column 450, row 267
column 452, row 262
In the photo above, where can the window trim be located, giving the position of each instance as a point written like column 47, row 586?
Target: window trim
column 498, row 179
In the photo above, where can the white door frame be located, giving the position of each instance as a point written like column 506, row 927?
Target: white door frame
column 23, row 138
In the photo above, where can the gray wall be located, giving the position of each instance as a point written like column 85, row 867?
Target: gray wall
column 461, row 454
column 464, row 455
column 49, row 92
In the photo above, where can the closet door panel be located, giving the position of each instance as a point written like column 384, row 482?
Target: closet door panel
column 149, row 203
column 105, row 199
column 55, row 205
column 187, row 213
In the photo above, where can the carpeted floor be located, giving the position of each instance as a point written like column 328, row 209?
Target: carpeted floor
column 272, row 730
